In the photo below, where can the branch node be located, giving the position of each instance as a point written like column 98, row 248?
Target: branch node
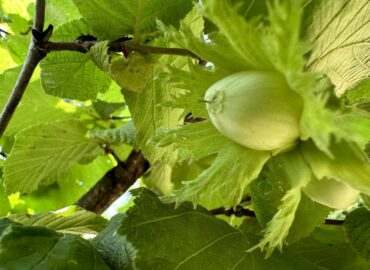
column 40, row 37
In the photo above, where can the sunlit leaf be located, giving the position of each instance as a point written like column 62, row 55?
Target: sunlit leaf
column 42, row 154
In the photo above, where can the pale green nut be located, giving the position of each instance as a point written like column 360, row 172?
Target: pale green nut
column 256, row 109
column 332, row 193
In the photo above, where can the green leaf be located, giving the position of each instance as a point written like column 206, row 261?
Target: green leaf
column 73, row 220
column 77, row 181
column 69, row 74
column 283, row 44
column 132, row 17
column 245, row 38
column 194, row 141
column 220, row 247
column 148, row 117
column 349, row 164
column 4, row 202
column 193, row 84
column 190, row 37
column 107, row 109
column 122, row 134
column 328, row 248
column 35, row 107
column 147, row 108
column 4, row 223
column 117, row 252
column 18, row 24
column 358, row 124
column 318, row 122
column 25, row 247
column 359, row 94
column 42, row 154
column 18, row 7
column 58, row 12
column 292, row 168
column 278, row 228
column 211, row 188
column 6, row 60
column 357, row 228
column 340, row 30
column 17, row 46
column 271, row 186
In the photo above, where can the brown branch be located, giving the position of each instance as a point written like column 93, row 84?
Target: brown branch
column 240, row 212
column 114, row 183
column 39, row 15
column 114, row 46
column 34, row 56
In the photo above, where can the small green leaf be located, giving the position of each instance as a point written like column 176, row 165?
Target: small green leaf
column 69, row 74
column 359, row 94
column 107, row 109
column 291, row 168
column 357, row 228
column 211, row 188
column 194, row 141
column 42, row 154
column 270, row 188
column 114, row 248
column 245, row 38
column 190, row 36
column 71, row 220
column 358, row 124
column 278, row 228
column 122, row 134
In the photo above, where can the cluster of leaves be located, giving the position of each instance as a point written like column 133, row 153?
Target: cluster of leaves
column 79, row 105
column 153, row 235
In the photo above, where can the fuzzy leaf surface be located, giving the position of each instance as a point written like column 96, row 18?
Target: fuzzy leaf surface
column 71, row 220
column 340, row 32
column 42, row 154
column 113, row 247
